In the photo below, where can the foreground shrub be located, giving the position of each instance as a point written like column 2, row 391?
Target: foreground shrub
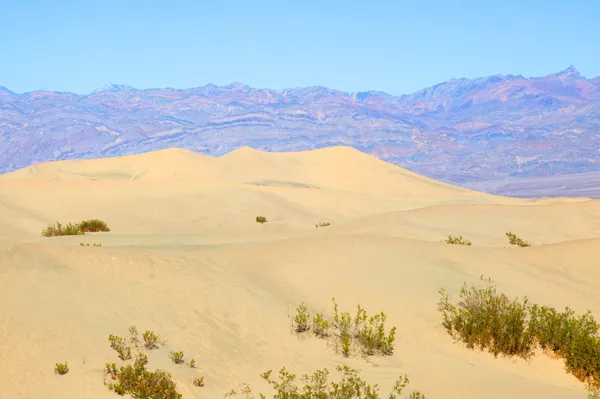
column 70, row 229
column 93, row 226
column 261, row 219
column 514, row 240
column 490, row 321
column 487, row 320
column 140, row 383
column 457, row 240
column 318, row 386
column 61, row 368
column 368, row 333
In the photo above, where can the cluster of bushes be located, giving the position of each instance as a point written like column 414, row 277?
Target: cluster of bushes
column 457, row 240
column 74, row 229
column 514, row 240
column 368, row 333
column 135, row 379
column 490, row 321
column 318, row 386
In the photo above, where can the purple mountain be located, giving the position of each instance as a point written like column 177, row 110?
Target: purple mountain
column 464, row 131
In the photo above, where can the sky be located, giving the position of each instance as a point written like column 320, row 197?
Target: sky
column 394, row 46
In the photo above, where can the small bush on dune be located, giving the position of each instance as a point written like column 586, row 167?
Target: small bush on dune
column 261, row 219
column 119, row 344
column 485, row 319
column 140, row 383
column 176, row 357
column 70, row 229
column 514, row 240
column 93, row 226
column 151, row 340
column 457, row 240
column 61, row 368
column 318, row 386
column 198, row 382
column 323, row 224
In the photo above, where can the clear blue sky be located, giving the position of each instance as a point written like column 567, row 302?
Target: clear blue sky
column 395, row 46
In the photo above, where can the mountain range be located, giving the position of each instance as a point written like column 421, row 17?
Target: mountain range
column 471, row 132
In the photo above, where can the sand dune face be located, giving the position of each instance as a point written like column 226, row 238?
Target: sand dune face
column 186, row 258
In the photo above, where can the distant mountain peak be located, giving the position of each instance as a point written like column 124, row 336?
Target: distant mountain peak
column 109, row 86
column 571, row 71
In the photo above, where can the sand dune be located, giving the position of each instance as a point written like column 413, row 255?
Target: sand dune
column 186, row 258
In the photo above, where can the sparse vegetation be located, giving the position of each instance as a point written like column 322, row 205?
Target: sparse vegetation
column 491, row 321
column 192, row 363
column 140, row 383
column 368, row 333
column 321, row 325
column 323, row 224
column 457, row 240
column 135, row 379
column 60, row 230
column 301, row 319
column 119, row 344
column 74, row 229
column 514, row 240
column 318, row 386
column 261, row 219
column 87, row 244
column 151, row 340
column 198, row 382
column 61, row 368
column 176, row 357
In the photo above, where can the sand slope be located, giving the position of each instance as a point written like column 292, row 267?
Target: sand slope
column 186, row 259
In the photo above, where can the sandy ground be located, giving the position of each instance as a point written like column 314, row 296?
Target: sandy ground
column 186, row 259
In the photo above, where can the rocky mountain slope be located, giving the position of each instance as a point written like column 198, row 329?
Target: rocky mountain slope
column 464, row 131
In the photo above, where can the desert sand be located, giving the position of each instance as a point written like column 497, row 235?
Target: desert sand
column 187, row 259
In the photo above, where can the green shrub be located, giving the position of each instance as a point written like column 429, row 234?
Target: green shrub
column 457, row 240
column 74, row 229
column 134, row 336
column 301, row 319
column 490, row 321
column 120, row 346
column 318, row 386
column 321, row 326
column 261, row 219
column 192, row 363
column 140, row 383
column 87, row 244
column 176, row 357
column 367, row 332
column 323, row 224
column 150, row 340
column 198, row 382
column 70, row 229
column 93, row 226
column 514, row 240
column 61, row 368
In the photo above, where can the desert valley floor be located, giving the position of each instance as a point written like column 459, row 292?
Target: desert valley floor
column 186, row 258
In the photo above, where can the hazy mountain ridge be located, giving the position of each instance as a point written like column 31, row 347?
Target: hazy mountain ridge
column 460, row 131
